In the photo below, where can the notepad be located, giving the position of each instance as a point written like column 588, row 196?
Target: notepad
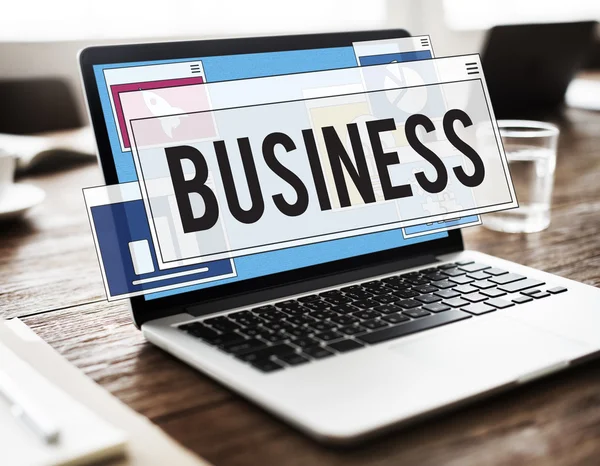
column 84, row 436
column 147, row 444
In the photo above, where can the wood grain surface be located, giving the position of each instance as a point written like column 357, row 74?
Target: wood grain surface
column 49, row 276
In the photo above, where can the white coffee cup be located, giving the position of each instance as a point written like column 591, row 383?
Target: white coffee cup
column 8, row 165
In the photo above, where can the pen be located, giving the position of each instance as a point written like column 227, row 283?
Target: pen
column 35, row 419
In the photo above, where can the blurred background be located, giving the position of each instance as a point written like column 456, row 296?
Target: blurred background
column 40, row 39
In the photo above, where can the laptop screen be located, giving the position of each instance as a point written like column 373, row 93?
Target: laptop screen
column 115, row 79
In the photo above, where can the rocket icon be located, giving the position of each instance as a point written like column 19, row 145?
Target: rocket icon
column 160, row 107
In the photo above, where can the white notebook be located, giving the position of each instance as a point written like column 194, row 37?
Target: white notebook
column 84, row 437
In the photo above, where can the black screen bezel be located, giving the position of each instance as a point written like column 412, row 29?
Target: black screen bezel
column 91, row 56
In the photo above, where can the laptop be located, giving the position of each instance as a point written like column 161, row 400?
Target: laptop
column 528, row 67
column 351, row 337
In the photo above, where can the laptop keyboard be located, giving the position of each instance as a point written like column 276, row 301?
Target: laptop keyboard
column 317, row 326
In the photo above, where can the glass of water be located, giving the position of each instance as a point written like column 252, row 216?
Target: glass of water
column 530, row 147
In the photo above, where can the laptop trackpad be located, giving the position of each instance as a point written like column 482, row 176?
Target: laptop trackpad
column 492, row 348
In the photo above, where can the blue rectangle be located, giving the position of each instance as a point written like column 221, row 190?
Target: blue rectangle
column 119, row 224
column 394, row 57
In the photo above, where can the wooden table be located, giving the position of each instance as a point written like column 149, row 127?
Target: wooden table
column 49, row 276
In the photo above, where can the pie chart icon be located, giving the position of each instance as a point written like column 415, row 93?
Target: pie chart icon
column 407, row 100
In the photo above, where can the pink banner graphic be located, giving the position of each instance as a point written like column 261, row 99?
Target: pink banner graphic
column 117, row 89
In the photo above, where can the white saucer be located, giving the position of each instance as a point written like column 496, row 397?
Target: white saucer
column 18, row 198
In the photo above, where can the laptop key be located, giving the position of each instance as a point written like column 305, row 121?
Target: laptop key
column 274, row 326
column 352, row 330
column 522, row 299
column 428, row 298
column 244, row 346
column 443, row 284
column 301, row 320
column 474, row 267
column 417, row 280
column 464, row 289
column 345, row 309
column 436, row 307
column 241, row 315
column 338, row 300
column 200, row 331
column 347, row 289
column 317, row 305
column 393, row 279
column 428, row 270
column 317, row 352
column 374, row 324
column 480, row 275
column 447, row 294
column 408, row 303
column 453, row 272
column 292, row 359
column 322, row 326
column 543, row 294
column 506, row 278
column 396, row 318
column 499, row 303
column 226, row 339
column 305, row 342
column 478, row 308
column 223, row 326
column 416, row 313
column 274, row 337
column 266, row 365
column 273, row 316
column 483, row 284
column 464, row 262
column 406, row 294
column 493, row 292
column 387, row 309
column 344, row 320
column 425, row 289
column 520, row 285
column 366, row 315
column 345, row 345
column 456, row 302
column 414, row 326
column 289, row 304
column 461, row 280
column 309, row 298
column 300, row 332
column 557, row 289
column 531, row 292
column 322, row 315
column 249, row 322
column 495, row 271
column 437, row 276
column 329, row 336
column 265, row 308
column 385, row 298
column 450, row 265
column 266, row 353
column 296, row 312
column 376, row 289
column 398, row 286
column 251, row 331
column 475, row 297
column 365, row 303
column 359, row 294
column 331, row 294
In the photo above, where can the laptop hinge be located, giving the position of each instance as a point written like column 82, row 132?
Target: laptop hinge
column 306, row 286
